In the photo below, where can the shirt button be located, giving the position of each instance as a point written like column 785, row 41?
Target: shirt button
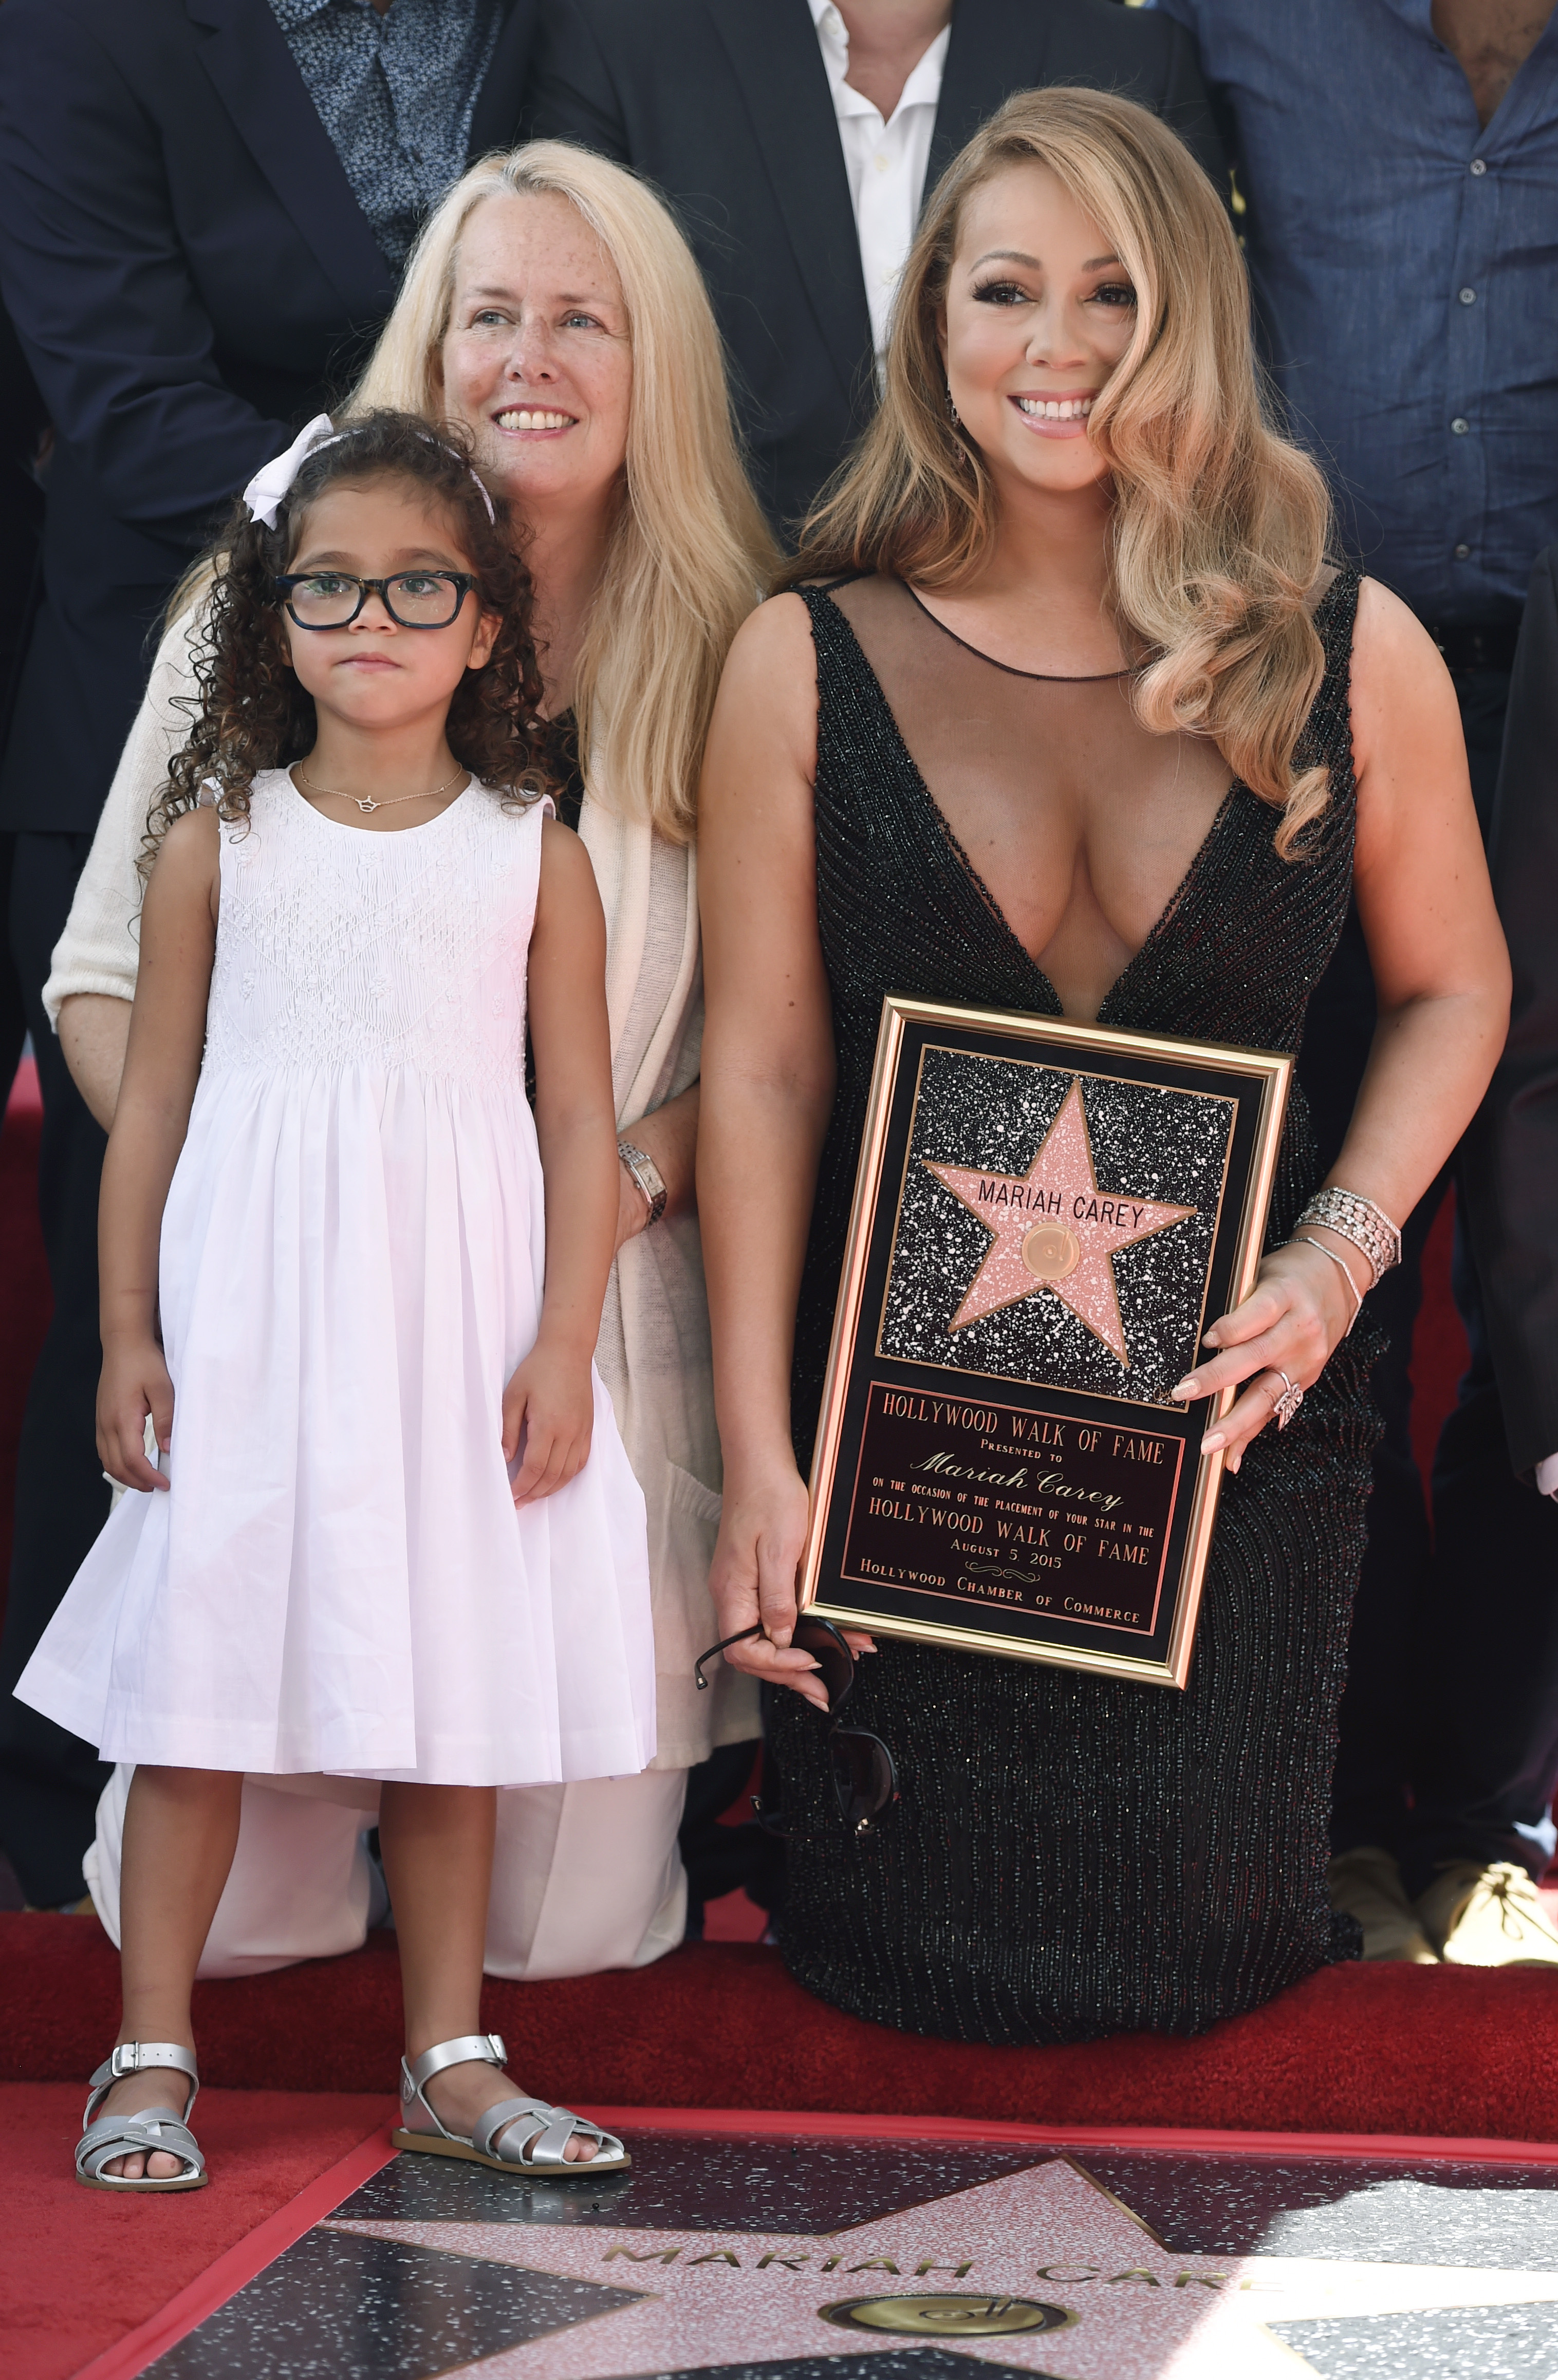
column 1463, row 553
column 1460, row 425
column 1478, row 165
column 880, row 164
column 1469, row 296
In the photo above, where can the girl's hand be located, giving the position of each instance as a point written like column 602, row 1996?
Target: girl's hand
column 550, row 1403
column 762, row 1531
column 134, row 1382
column 1297, row 1312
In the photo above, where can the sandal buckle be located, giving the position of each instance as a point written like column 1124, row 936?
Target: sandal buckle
column 126, row 2059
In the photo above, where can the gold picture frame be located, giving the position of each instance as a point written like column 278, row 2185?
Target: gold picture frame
column 1121, row 1181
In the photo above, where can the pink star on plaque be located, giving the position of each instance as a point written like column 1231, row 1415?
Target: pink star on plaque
column 1053, row 1228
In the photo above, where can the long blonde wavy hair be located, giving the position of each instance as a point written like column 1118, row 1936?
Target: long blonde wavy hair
column 689, row 551
column 1218, row 526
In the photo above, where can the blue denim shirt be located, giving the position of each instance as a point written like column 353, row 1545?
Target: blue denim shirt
column 1405, row 270
column 397, row 95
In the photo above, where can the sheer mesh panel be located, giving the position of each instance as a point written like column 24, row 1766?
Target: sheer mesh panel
column 1079, row 822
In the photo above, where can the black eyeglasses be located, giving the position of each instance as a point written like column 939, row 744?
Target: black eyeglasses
column 865, row 1780
column 332, row 599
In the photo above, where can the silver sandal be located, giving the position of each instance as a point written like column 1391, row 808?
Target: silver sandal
column 148, row 2129
column 531, row 2146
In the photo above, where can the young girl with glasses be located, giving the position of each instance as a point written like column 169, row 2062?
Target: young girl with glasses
column 389, row 1530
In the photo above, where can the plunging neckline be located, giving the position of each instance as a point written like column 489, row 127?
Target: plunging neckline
column 1173, row 906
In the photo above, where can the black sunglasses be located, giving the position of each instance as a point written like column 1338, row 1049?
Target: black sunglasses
column 865, row 1780
column 332, row 598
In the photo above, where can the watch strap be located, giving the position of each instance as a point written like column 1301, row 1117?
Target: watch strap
column 647, row 1175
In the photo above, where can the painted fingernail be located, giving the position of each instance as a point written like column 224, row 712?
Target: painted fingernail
column 1210, row 1445
column 1186, row 1388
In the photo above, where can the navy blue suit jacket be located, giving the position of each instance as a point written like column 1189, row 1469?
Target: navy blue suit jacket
column 191, row 277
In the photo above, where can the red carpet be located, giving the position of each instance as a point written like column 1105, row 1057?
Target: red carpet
column 1358, row 2050
column 81, row 2270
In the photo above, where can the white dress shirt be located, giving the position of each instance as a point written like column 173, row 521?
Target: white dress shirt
column 885, row 163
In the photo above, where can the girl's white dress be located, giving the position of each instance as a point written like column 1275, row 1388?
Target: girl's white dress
column 351, row 1268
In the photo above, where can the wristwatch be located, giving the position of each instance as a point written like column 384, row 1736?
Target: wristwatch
column 647, row 1175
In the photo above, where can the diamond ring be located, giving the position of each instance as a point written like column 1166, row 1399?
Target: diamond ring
column 1287, row 1404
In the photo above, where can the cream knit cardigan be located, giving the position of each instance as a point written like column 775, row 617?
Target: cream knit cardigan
column 653, row 1353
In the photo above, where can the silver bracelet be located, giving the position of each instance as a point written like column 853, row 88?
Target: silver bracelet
column 1340, row 1264
column 647, row 1177
column 1354, row 1217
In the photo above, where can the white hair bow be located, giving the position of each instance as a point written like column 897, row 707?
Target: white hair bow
column 270, row 484
column 264, row 492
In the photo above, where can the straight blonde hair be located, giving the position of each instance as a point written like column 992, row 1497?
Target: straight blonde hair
column 689, row 552
column 1219, row 527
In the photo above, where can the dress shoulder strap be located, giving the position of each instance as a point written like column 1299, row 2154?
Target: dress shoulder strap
column 1335, row 617
column 1327, row 739
column 843, row 672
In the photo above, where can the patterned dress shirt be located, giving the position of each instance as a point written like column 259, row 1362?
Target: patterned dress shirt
column 1405, row 267
column 395, row 93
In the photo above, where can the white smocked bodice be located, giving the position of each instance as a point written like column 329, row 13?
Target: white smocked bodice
column 383, row 952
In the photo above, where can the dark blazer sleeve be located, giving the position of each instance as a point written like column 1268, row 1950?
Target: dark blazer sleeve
column 1510, row 1168
column 1186, row 105
column 98, row 288
column 572, row 95
column 1001, row 47
column 498, row 116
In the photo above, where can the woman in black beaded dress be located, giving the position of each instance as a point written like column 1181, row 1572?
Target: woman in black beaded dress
column 1067, row 714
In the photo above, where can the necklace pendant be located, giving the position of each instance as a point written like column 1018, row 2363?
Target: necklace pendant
column 365, row 808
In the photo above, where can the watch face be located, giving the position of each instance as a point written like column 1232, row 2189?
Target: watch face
column 647, row 1176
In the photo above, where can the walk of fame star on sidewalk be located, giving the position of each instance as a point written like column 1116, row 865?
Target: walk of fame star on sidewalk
column 722, row 2301
column 1053, row 1229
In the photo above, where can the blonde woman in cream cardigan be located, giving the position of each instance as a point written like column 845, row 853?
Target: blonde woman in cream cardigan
column 550, row 306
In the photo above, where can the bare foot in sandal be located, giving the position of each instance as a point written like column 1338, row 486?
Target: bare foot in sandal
column 459, row 2083
column 135, row 2130
column 461, row 2096
column 160, row 2086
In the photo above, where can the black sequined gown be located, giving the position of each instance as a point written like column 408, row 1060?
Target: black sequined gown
column 1075, row 1856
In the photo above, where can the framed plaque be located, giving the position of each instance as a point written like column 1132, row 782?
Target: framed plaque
column 1047, row 1217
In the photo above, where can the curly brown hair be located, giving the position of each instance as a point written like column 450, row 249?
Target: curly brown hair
column 252, row 713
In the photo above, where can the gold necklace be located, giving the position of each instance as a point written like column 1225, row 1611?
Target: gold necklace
column 367, row 807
